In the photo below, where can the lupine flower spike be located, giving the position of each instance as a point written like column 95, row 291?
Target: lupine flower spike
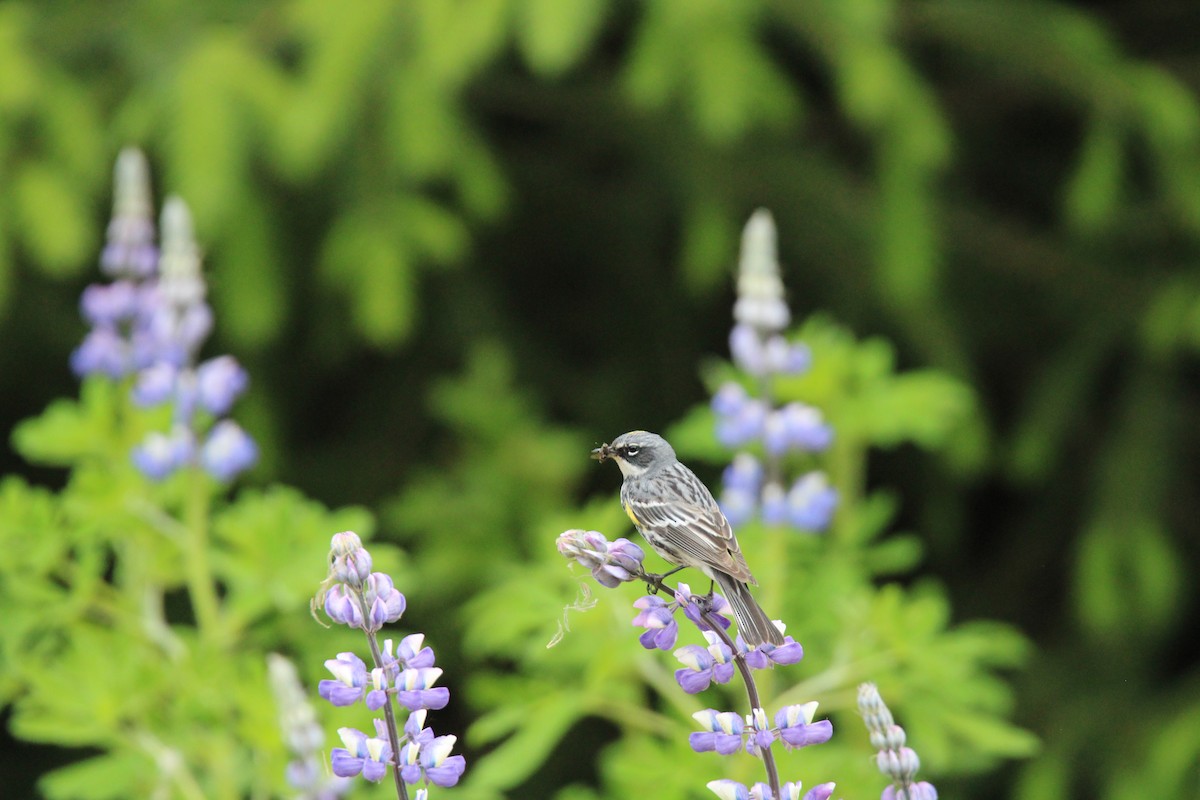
column 723, row 732
column 401, row 677
column 302, row 734
column 151, row 322
column 894, row 759
column 750, row 418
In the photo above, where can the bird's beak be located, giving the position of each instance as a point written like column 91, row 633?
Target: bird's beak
column 602, row 452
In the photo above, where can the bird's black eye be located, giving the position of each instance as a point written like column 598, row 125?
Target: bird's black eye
column 632, row 450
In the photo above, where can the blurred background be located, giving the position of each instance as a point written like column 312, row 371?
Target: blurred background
column 546, row 197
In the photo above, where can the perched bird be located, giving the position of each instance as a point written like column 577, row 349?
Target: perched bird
column 679, row 518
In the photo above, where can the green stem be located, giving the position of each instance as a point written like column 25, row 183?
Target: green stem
column 201, row 587
column 768, row 758
column 389, row 713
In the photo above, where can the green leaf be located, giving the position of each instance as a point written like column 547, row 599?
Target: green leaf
column 1093, row 192
column 71, row 429
column 553, row 35
column 51, row 218
column 112, row 776
column 521, row 754
column 1127, row 577
column 364, row 259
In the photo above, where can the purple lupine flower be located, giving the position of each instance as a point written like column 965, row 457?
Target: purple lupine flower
column 431, row 759
column 804, row 428
column 774, row 503
column 384, row 602
column 729, row 399
column 624, row 560
column 377, row 698
column 894, row 759
column 767, row 654
column 440, row 767
column 785, row 358
column 220, row 382
column 658, row 618
column 228, row 451
column 155, row 385
column 761, row 735
column 901, row 764
column 161, row 454
column 747, row 350
column 102, row 352
column 611, row 563
column 130, row 249
column 404, row 671
column 411, row 654
column 732, row 790
column 415, row 689
column 109, row 305
column 364, row 756
column 702, row 666
column 722, row 732
column 797, row 729
column 342, row 606
column 115, row 310
column 811, row 502
column 301, row 733
column 921, row 790
column 743, row 426
column 353, row 567
column 718, row 608
column 350, row 680
column 742, row 482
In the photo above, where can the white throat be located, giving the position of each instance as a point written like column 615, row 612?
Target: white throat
column 629, row 470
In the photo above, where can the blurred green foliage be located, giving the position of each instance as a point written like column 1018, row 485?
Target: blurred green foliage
column 544, row 198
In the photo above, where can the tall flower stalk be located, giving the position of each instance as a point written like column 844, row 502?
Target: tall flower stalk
column 725, row 733
column 894, row 758
column 150, row 322
column 402, row 675
column 750, row 420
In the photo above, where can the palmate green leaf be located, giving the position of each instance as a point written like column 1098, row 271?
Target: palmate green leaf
column 549, row 716
column 51, row 218
column 364, row 259
column 721, row 77
column 1167, row 762
column 19, row 89
column 274, row 550
column 552, row 35
column 1127, row 578
column 342, row 48
column 924, row 407
column 452, row 41
column 246, row 277
column 112, row 776
column 72, row 429
column 709, row 236
column 1093, row 193
column 206, row 137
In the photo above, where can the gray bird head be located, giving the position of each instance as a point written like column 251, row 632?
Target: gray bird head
column 637, row 452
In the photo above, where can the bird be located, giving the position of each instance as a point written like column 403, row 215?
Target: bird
column 678, row 517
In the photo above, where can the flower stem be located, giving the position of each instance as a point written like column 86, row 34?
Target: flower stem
column 751, row 694
column 389, row 713
column 199, row 577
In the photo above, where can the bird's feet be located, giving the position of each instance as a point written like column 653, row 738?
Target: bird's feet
column 654, row 581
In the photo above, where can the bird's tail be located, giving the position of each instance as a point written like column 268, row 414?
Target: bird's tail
column 752, row 621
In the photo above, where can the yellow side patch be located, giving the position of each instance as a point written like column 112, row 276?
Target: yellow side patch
column 629, row 513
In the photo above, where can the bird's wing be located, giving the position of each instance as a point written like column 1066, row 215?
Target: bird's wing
column 691, row 522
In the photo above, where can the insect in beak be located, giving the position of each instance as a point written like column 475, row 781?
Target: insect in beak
column 602, row 452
